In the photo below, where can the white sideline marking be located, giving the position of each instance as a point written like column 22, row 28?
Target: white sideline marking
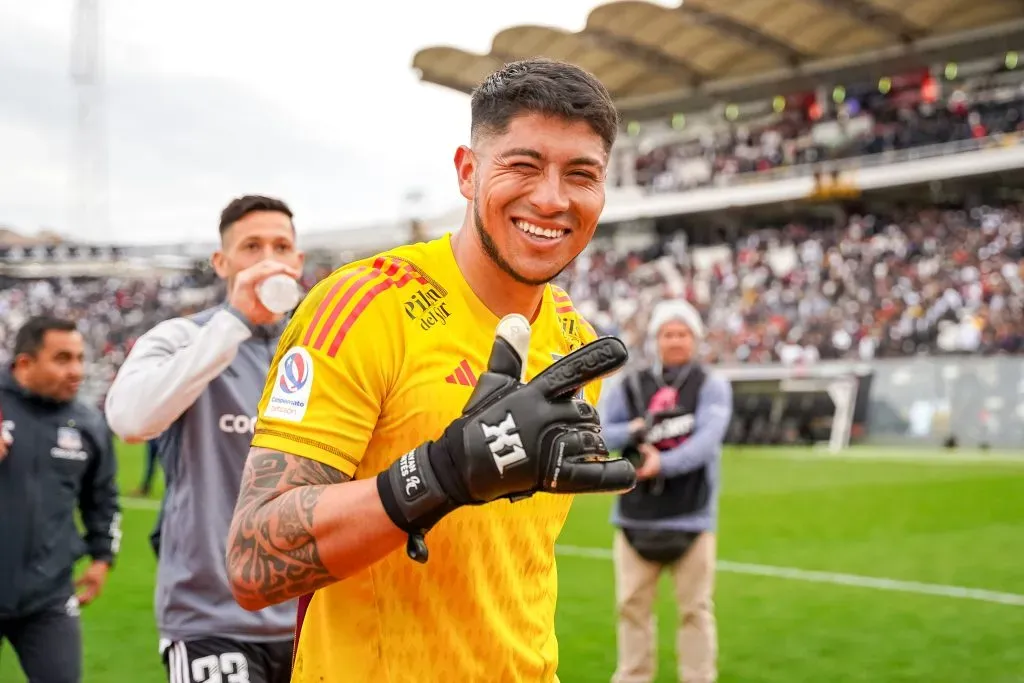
column 909, row 456
column 793, row 573
column 834, row 579
column 139, row 503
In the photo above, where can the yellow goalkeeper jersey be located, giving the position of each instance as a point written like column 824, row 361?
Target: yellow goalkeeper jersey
column 380, row 357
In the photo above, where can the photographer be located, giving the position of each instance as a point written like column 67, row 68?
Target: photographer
column 670, row 419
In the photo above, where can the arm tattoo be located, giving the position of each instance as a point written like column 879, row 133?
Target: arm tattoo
column 272, row 546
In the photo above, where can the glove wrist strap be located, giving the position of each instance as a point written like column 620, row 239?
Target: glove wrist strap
column 413, row 498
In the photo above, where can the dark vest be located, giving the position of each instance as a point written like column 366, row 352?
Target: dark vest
column 669, row 411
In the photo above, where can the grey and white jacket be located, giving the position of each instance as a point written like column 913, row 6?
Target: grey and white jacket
column 194, row 385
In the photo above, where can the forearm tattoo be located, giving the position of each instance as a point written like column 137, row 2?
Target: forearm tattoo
column 272, row 547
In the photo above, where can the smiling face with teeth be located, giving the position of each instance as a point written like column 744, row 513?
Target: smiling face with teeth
column 537, row 191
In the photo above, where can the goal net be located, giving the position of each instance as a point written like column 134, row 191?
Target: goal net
column 776, row 404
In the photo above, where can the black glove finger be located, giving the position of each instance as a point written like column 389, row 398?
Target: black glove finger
column 571, row 442
column 579, row 461
column 604, row 476
column 571, row 414
column 587, row 412
column 567, row 375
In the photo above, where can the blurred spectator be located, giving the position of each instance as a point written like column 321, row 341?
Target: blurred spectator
column 927, row 281
column 931, row 281
column 111, row 313
column 849, row 130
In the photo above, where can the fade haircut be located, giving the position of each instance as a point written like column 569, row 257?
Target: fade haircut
column 543, row 86
column 242, row 206
column 32, row 335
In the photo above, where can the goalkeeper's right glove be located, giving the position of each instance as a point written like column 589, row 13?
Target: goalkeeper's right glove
column 512, row 439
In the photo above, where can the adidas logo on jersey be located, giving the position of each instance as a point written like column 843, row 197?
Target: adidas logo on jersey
column 463, row 375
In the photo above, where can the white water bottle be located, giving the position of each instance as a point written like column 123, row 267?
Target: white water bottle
column 279, row 293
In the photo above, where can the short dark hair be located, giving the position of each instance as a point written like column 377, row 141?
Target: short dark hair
column 543, row 86
column 241, row 207
column 32, row 334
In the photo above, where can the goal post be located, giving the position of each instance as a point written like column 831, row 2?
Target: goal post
column 776, row 395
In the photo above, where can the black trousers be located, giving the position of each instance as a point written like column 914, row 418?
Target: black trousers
column 223, row 660
column 48, row 644
column 152, row 461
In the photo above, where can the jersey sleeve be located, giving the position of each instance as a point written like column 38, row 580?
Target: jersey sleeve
column 334, row 367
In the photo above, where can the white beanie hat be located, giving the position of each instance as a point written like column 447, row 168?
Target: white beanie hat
column 675, row 309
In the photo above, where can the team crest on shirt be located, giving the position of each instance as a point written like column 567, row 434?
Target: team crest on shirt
column 69, row 439
column 292, row 386
column 69, row 445
column 570, row 332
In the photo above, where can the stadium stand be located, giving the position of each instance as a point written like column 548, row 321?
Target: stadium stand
column 871, row 286
column 864, row 121
column 114, row 296
column 818, row 194
column 836, row 184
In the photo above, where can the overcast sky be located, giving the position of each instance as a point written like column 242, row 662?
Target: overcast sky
column 310, row 100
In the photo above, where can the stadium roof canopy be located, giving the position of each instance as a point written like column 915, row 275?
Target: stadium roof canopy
column 661, row 59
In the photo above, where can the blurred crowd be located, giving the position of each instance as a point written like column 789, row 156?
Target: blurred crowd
column 111, row 313
column 793, row 139
column 931, row 281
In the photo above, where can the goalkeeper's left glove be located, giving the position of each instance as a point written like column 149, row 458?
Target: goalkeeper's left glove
column 512, row 439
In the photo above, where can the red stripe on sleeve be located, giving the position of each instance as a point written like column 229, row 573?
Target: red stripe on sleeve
column 406, row 278
column 325, row 303
column 340, row 306
column 350, row 320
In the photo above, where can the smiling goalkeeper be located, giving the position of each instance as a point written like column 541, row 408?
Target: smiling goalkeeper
column 404, row 481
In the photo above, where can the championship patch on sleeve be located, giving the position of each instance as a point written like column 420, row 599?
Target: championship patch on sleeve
column 290, row 395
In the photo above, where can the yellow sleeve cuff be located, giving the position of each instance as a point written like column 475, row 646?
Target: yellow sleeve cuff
column 306, row 448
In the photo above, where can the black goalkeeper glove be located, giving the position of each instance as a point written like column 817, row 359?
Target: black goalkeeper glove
column 512, row 439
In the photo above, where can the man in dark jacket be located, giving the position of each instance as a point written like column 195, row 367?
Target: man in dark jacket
column 56, row 455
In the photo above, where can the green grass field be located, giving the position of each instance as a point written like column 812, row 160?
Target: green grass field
column 921, row 519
